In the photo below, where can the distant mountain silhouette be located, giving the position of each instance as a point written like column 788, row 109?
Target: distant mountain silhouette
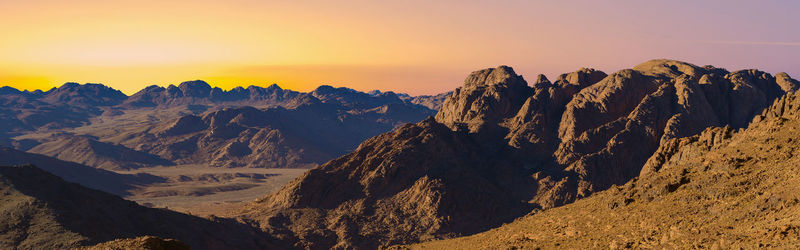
column 309, row 132
column 336, row 120
column 199, row 92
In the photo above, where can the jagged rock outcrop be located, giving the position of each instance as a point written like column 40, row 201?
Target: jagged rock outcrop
column 486, row 98
column 610, row 129
column 416, row 183
column 42, row 211
column 787, row 83
column 723, row 188
column 539, row 146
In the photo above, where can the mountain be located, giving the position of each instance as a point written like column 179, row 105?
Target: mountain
column 88, row 151
column 309, row 132
column 101, row 127
column 70, row 105
column 430, row 101
column 723, row 188
column 84, row 95
column 111, row 182
column 201, row 93
column 499, row 148
column 42, row 211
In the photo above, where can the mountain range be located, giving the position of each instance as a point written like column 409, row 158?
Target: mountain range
column 193, row 123
column 666, row 154
column 500, row 148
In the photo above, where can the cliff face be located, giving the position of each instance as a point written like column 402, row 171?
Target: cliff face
column 499, row 148
column 721, row 188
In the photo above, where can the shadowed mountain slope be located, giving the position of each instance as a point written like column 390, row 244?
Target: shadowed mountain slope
column 310, row 131
column 42, row 211
column 111, row 182
column 720, row 189
column 499, row 148
column 90, row 152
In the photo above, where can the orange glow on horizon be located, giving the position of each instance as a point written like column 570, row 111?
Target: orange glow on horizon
column 417, row 47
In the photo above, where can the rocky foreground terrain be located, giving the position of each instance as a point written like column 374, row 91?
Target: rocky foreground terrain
column 500, row 148
column 42, row 211
column 721, row 189
column 666, row 154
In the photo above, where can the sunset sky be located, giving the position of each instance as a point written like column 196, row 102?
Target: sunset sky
column 418, row 47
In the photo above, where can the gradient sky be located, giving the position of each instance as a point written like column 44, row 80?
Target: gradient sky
column 418, row 47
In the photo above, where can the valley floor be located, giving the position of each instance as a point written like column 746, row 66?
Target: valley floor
column 202, row 190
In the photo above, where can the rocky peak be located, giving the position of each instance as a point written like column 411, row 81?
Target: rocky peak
column 583, row 77
column 487, row 97
column 89, row 94
column 541, row 81
column 670, row 68
column 786, row 82
column 196, row 88
column 502, row 75
column 7, row 90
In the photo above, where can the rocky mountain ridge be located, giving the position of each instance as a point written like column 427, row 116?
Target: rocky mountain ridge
column 499, row 148
column 311, row 132
column 73, row 104
column 722, row 188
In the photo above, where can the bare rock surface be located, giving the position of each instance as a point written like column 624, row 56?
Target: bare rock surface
column 720, row 189
column 510, row 148
column 140, row 243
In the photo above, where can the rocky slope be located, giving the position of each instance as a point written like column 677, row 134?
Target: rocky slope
column 499, row 148
column 41, row 211
column 107, row 181
column 140, row 243
column 720, row 189
column 90, row 152
column 309, row 132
